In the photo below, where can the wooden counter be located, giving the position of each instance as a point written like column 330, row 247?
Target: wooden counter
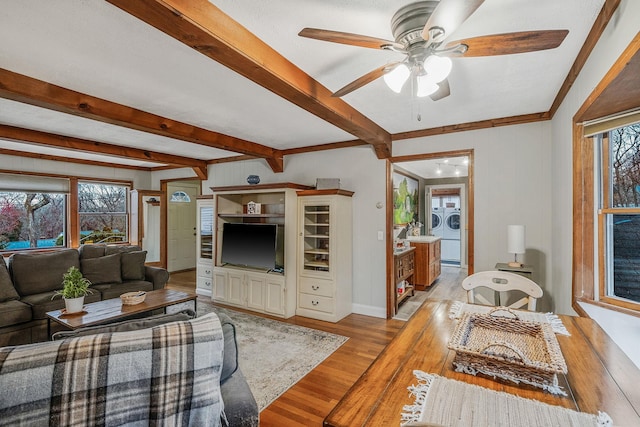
column 600, row 376
column 427, row 267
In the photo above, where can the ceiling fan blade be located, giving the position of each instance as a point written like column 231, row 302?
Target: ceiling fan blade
column 448, row 16
column 443, row 91
column 510, row 43
column 366, row 79
column 349, row 38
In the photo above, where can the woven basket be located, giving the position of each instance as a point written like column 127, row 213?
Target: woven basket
column 508, row 348
column 133, row 298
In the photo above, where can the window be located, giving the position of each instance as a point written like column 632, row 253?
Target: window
column 102, row 211
column 32, row 220
column 180, row 197
column 619, row 215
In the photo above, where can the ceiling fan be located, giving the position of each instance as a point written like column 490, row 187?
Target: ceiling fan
column 427, row 48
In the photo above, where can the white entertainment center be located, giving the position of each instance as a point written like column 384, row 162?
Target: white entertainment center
column 313, row 253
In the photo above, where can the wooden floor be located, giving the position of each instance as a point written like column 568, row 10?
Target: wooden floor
column 310, row 400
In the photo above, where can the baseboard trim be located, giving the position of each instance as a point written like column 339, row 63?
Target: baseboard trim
column 369, row 310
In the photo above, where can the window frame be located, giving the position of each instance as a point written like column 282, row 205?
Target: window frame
column 605, row 209
column 72, row 214
column 127, row 206
column 610, row 97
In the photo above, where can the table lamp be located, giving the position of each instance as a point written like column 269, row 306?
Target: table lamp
column 515, row 243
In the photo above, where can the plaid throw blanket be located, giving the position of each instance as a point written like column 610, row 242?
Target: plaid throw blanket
column 165, row 375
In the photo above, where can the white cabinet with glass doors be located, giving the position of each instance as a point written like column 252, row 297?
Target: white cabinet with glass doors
column 324, row 254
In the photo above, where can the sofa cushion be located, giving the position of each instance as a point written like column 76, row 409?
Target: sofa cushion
column 165, row 375
column 105, row 269
column 127, row 325
column 14, row 312
column 7, row 291
column 114, row 290
column 92, row 251
column 43, row 302
column 132, row 265
column 117, row 249
column 36, row 273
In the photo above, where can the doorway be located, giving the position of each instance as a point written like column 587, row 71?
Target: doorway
column 453, row 170
column 181, row 224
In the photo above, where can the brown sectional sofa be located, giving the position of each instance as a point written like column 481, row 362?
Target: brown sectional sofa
column 28, row 283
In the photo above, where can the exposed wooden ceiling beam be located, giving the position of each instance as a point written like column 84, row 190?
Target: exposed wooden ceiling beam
column 18, row 87
column 205, row 28
column 598, row 27
column 70, row 143
column 54, row 158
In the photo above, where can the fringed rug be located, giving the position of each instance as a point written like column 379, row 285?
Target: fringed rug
column 444, row 402
column 275, row 355
column 458, row 308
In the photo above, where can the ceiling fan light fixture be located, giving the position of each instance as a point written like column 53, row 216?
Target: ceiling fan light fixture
column 437, row 67
column 397, row 77
column 426, row 86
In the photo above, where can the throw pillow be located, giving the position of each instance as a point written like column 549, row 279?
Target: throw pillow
column 132, row 264
column 37, row 273
column 105, row 269
column 7, row 291
column 92, row 250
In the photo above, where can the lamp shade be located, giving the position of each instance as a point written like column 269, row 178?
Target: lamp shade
column 515, row 239
column 395, row 79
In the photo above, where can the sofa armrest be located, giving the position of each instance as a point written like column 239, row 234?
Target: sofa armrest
column 156, row 275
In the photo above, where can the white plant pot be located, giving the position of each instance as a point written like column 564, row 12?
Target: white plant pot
column 74, row 305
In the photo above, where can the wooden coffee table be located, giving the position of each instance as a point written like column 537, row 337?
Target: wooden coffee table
column 109, row 310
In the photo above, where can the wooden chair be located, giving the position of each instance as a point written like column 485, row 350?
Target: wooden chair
column 502, row 281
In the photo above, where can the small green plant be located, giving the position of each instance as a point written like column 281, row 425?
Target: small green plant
column 74, row 285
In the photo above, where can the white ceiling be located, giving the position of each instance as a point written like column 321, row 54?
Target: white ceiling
column 95, row 48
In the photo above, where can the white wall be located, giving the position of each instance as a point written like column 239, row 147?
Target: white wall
column 617, row 36
column 360, row 171
column 511, row 185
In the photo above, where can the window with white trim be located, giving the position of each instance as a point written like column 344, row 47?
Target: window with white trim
column 618, row 213
column 103, row 213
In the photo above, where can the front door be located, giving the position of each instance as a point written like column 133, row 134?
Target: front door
column 181, row 225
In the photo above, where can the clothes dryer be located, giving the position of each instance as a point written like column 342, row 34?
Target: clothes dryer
column 451, row 224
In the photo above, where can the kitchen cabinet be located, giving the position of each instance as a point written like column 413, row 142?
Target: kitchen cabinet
column 427, row 261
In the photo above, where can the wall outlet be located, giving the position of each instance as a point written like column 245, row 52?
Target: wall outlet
column 380, row 235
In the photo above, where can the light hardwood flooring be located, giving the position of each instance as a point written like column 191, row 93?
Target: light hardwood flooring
column 310, row 400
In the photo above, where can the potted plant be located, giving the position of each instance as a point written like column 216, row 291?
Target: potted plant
column 74, row 288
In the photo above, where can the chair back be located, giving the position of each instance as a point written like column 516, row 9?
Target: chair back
column 502, row 281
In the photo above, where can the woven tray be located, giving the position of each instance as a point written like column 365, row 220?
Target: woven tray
column 508, row 348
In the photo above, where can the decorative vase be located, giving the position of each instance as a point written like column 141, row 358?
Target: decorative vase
column 253, row 179
column 74, row 305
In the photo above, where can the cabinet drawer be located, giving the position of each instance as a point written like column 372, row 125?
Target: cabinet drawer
column 204, row 270
column 204, row 282
column 315, row 302
column 316, row 286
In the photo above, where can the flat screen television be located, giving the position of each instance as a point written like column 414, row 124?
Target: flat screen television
column 251, row 245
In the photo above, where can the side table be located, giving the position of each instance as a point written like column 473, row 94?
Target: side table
column 525, row 270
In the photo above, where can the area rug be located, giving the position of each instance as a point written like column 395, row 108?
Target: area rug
column 275, row 355
column 444, row 402
column 410, row 305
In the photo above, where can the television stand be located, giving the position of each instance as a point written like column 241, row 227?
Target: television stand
column 272, row 292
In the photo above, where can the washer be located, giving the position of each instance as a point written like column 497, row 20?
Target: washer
column 451, row 224
column 437, row 221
